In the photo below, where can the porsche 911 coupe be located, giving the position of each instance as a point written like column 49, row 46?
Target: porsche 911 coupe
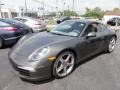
column 55, row 53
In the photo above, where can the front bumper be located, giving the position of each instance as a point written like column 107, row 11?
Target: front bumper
column 12, row 40
column 30, row 73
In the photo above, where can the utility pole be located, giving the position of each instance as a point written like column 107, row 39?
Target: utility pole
column 25, row 6
column 56, row 7
column 0, row 10
column 43, row 8
column 64, row 8
column 73, row 5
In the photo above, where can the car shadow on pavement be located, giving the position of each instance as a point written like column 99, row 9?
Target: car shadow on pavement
column 89, row 59
column 6, row 47
column 52, row 78
column 39, row 81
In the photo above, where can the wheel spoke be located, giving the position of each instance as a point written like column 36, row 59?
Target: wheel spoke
column 61, row 60
column 60, row 68
column 68, row 57
column 65, row 70
column 112, row 44
column 65, row 64
column 69, row 64
column 0, row 42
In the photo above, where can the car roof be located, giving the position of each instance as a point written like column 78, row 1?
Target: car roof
column 84, row 21
column 13, row 22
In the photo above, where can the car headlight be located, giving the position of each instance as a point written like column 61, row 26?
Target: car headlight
column 38, row 54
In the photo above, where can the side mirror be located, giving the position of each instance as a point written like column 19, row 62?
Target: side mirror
column 91, row 34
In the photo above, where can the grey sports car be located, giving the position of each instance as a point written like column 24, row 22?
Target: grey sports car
column 55, row 53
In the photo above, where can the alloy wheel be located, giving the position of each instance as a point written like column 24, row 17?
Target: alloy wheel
column 112, row 43
column 0, row 42
column 65, row 64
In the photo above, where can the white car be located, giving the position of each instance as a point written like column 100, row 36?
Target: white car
column 36, row 25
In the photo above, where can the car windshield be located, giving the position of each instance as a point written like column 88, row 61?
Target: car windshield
column 3, row 24
column 13, row 22
column 69, row 28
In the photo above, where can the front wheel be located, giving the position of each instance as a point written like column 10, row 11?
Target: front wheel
column 1, row 43
column 64, row 64
column 111, row 45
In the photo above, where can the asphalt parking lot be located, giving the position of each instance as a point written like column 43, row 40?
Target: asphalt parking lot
column 101, row 72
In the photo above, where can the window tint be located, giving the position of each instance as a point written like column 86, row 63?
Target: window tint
column 113, row 19
column 3, row 24
column 91, row 28
column 78, row 26
column 69, row 28
column 101, row 27
column 13, row 22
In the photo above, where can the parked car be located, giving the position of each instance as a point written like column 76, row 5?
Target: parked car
column 36, row 25
column 57, row 52
column 11, row 30
column 63, row 19
column 113, row 21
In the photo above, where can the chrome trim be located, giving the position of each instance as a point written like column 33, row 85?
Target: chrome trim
column 12, row 38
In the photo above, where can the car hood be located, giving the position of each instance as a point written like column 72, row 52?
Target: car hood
column 33, row 42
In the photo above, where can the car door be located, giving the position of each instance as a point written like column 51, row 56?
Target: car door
column 90, row 46
column 103, row 35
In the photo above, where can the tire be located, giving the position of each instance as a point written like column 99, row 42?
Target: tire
column 1, row 43
column 64, row 64
column 111, row 45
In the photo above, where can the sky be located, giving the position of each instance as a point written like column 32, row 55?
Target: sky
column 50, row 5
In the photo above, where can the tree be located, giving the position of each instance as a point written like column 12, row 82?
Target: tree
column 94, row 13
column 53, row 14
column 68, row 13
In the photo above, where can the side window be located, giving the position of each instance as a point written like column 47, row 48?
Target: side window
column 101, row 27
column 76, row 26
column 91, row 28
column 79, row 26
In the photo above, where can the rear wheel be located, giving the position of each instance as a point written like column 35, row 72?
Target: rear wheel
column 64, row 64
column 1, row 43
column 111, row 45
